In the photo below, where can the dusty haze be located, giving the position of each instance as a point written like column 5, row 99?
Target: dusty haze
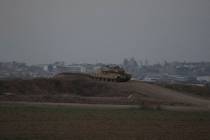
column 43, row 31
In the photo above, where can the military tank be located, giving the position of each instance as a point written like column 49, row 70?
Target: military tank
column 111, row 73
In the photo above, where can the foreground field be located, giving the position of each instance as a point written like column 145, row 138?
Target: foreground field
column 30, row 122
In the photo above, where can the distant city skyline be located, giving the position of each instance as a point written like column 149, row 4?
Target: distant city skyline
column 107, row 31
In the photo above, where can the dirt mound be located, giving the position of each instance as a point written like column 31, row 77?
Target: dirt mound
column 73, row 88
column 71, row 84
column 79, row 88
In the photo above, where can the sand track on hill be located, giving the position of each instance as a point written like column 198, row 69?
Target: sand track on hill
column 157, row 92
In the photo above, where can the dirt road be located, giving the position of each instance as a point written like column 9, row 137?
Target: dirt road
column 110, row 106
column 107, row 106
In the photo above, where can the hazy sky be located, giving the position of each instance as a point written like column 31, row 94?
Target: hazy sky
column 44, row 31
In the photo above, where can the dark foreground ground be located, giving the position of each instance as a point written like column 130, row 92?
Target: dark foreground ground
column 30, row 122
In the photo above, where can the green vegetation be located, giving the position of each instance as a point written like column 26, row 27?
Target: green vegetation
column 51, row 122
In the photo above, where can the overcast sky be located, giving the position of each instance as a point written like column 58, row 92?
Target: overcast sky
column 44, row 31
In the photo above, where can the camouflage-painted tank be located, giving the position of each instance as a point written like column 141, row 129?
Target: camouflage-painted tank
column 111, row 73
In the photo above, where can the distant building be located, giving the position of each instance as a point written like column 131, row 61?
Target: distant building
column 43, row 66
column 203, row 78
column 152, row 78
column 77, row 68
column 72, row 69
column 178, row 78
